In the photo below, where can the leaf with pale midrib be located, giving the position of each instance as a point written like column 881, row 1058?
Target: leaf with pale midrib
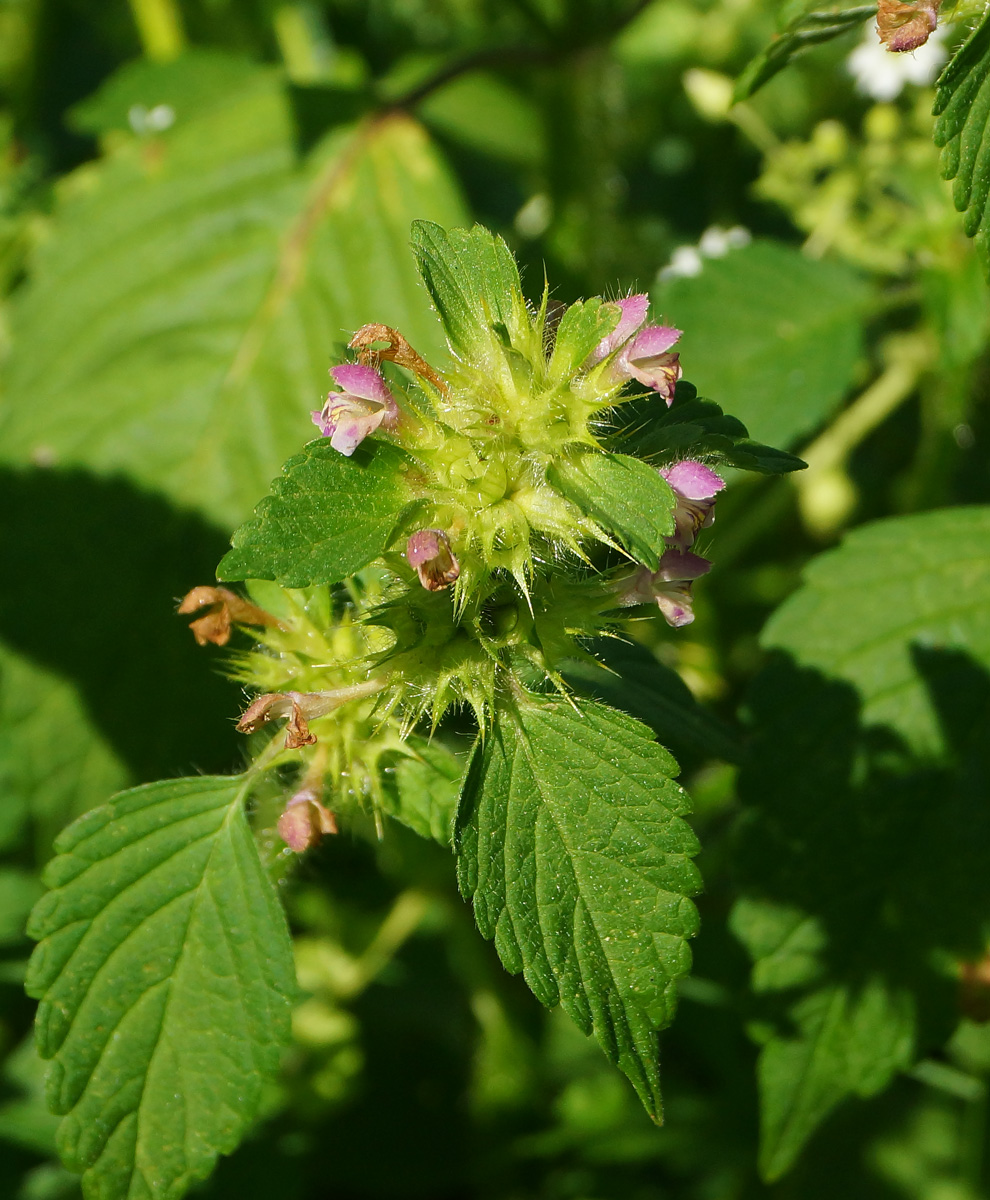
column 181, row 318
column 572, row 847
column 327, row 517
column 165, row 976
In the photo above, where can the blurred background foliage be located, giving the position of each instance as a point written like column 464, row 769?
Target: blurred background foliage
column 199, row 200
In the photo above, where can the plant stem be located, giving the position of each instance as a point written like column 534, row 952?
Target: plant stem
column 159, row 25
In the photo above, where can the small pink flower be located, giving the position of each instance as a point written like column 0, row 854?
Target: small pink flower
column 429, row 552
column 696, row 487
column 669, row 587
column 363, row 404
column 634, row 309
column 647, row 358
column 304, row 821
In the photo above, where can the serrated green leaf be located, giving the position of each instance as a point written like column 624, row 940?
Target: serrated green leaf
column 626, row 496
column 474, row 283
column 696, row 428
column 773, row 335
column 962, row 109
column 806, row 30
column 580, row 330
column 637, row 684
column 196, row 286
column 165, row 976
column 421, row 791
column 327, row 517
column 572, row 847
column 903, row 583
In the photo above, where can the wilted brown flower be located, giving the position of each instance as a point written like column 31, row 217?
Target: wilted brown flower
column 301, row 708
column 904, row 27
column 396, row 350
column 220, row 609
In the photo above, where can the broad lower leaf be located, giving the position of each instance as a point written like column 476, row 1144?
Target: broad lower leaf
column 626, row 496
column 806, row 30
column 962, row 106
column 165, row 976
column 196, row 285
column 892, row 590
column 774, row 336
column 572, row 846
column 327, row 517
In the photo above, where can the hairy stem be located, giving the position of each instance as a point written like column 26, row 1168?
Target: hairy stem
column 159, row 25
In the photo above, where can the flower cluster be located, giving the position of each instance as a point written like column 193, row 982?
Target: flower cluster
column 513, row 540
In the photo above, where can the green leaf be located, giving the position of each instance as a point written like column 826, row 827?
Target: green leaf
column 165, row 977
column 637, row 684
column 962, row 106
column 572, row 846
column 327, row 517
column 580, row 330
column 474, row 282
column 626, row 496
column 696, row 428
column 421, row 791
column 774, row 336
column 195, row 287
column 54, row 762
column 806, row 30
column 892, row 588
column 862, row 869
column 843, row 1043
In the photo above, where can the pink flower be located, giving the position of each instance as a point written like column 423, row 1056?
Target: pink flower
column 428, row 550
column 647, row 358
column 363, row 404
column 633, row 310
column 695, row 487
column 669, row 587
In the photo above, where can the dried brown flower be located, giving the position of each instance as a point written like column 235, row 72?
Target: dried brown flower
column 396, row 350
column 219, row 610
column 904, row 27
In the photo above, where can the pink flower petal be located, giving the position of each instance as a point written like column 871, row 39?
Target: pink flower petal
column 693, row 480
column 634, row 309
column 358, row 380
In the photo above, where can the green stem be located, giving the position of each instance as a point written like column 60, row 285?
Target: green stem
column 305, row 48
column 159, row 25
column 401, row 922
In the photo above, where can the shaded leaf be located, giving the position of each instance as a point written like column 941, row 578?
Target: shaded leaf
column 327, row 517
column 914, row 581
column 165, row 974
column 572, row 846
column 421, row 791
column 626, row 496
column 181, row 317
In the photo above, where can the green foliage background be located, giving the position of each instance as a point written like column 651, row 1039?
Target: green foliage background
column 199, row 201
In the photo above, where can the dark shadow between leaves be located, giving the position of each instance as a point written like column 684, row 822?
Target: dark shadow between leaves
column 92, row 570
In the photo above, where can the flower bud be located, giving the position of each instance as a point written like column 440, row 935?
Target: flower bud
column 429, row 552
column 304, row 821
column 633, row 310
column 363, row 404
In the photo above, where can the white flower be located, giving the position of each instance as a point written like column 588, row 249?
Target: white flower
column 882, row 75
